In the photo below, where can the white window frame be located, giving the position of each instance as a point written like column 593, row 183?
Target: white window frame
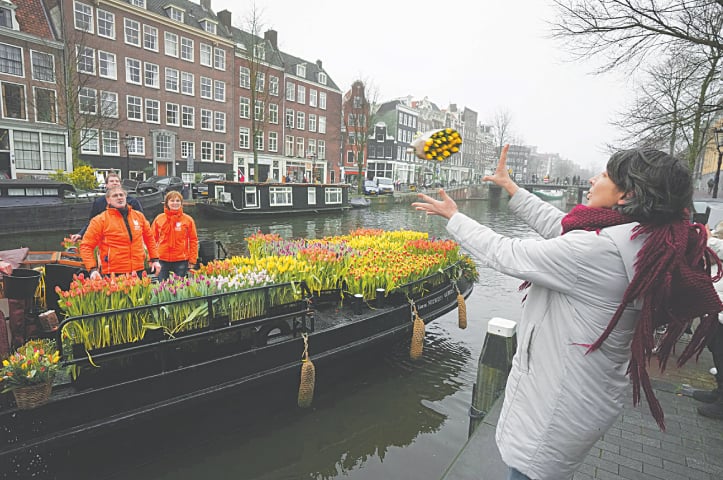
column 290, row 92
column 206, row 88
column 132, row 32
column 150, row 38
column 153, row 106
column 36, row 68
column 301, row 94
column 88, row 93
column 173, row 75
column 312, row 97
column 274, row 113
column 219, row 59
column 188, row 116
column 244, row 107
column 110, row 141
column 333, row 195
column 273, row 141
column 219, row 90
column 170, row 44
column 90, row 143
column 206, row 119
column 109, row 104
column 139, row 106
column 187, row 83
column 219, row 122
column 244, row 138
column 151, row 75
column 85, row 53
column 186, row 49
column 86, row 14
column 107, row 61
column 280, row 196
column 274, row 85
column 205, row 54
column 108, row 23
column 219, row 147
column 173, row 109
column 244, row 77
column 134, row 65
column 322, row 100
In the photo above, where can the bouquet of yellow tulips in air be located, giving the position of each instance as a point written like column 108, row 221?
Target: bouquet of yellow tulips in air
column 437, row 145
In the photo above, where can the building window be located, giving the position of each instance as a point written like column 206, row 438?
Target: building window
column 136, row 146
column 133, row 71
column 332, row 195
column 188, row 148
column 88, row 140
column 188, row 116
column 187, row 82
column 170, row 44
column 322, row 100
column 107, row 66
column 219, row 91
column 312, row 97
column 244, row 77
column 45, row 106
column 134, row 108
column 219, row 152
column 83, row 16
column 301, row 70
column 300, row 152
column 150, row 38
column 301, row 94
column 322, row 79
column 106, row 24
column 153, row 110
column 206, row 88
column 243, row 138
column 172, row 116
column 312, row 122
column 132, row 32
column 87, row 100
column 175, row 14
column 110, row 143
column 138, row 3
column 206, row 116
column 86, row 60
column 204, row 51
column 322, row 124
column 53, row 151
column 321, row 150
column 163, row 146
column 219, row 59
column 109, row 104
column 244, row 107
column 289, row 118
column 259, row 141
column 6, row 18
column 289, row 146
column 273, row 113
column 208, row 26
column 43, row 66
column 152, row 75
column 300, row 120
column 171, row 79
column 11, row 60
column 219, row 121
column 259, row 110
column 274, row 85
column 290, row 92
column 187, row 49
column 260, row 51
column 27, row 150
column 260, row 81
column 273, row 142
column 206, row 151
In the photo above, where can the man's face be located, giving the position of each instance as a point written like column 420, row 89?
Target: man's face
column 112, row 182
column 117, row 199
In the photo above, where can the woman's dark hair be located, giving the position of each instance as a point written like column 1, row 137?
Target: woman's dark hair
column 659, row 186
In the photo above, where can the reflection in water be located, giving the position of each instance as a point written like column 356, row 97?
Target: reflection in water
column 380, row 417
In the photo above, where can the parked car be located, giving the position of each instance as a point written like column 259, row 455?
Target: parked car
column 384, row 184
column 201, row 189
column 370, row 188
column 164, row 183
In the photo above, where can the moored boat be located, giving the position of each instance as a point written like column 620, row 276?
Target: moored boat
column 360, row 202
column 236, row 199
column 32, row 205
column 555, row 194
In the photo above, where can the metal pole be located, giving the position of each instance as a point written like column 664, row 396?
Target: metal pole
column 717, row 173
column 128, row 156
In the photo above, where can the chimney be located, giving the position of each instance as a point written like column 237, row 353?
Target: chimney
column 318, row 64
column 272, row 37
column 206, row 5
column 224, row 18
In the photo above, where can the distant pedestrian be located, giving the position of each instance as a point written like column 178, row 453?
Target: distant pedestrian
column 711, row 183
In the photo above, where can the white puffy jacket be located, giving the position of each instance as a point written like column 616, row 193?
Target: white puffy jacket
column 559, row 400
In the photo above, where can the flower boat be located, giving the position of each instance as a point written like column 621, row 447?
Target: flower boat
column 134, row 348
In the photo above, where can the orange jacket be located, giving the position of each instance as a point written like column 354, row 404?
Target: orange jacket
column 176, row 237
column 118, row 253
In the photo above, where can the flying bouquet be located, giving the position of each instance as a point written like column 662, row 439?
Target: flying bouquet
column 437, row 145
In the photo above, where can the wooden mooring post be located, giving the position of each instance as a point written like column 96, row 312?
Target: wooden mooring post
column 493, row 366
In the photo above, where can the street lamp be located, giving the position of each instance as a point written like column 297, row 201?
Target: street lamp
column 128, row 140
column 719, row 145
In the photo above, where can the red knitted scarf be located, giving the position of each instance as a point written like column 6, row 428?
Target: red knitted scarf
column 673, row 281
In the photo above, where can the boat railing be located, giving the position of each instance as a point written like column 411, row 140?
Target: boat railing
column 411, row 291
column 102, row 334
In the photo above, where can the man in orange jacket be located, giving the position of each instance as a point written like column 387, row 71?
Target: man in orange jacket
column 120, row 234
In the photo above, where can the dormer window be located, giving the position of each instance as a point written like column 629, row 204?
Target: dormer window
column 138, row 3
column 260, row 51
column 7, row 15
column 322, row 78
column 208, row 26
column 301, row 70
column 175, row 13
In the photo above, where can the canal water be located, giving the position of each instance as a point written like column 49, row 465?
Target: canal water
column 381, row 417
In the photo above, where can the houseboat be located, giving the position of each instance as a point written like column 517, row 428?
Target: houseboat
column 245, row 199
column 33, row 205
column 121, row 384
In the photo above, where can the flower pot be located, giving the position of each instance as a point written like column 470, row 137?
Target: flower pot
column 21, row 284
column 32, row 396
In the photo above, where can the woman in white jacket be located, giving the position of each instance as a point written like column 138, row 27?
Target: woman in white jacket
column 599, row 282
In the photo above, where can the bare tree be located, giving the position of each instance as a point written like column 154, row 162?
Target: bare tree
column 359, row 105
column 673, row 110
column 501, row 124
column 629, row 31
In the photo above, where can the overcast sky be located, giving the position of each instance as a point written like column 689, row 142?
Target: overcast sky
column 487, row 56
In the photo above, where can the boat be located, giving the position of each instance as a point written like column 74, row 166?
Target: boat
column 360, row 202
column 250, row 199
column 36, row 205
column 118, row 385
column 553, row 194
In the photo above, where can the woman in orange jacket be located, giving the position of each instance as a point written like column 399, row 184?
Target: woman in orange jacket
column 176, row 237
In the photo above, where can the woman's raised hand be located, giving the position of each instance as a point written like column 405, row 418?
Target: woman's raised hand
column 501, row 177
